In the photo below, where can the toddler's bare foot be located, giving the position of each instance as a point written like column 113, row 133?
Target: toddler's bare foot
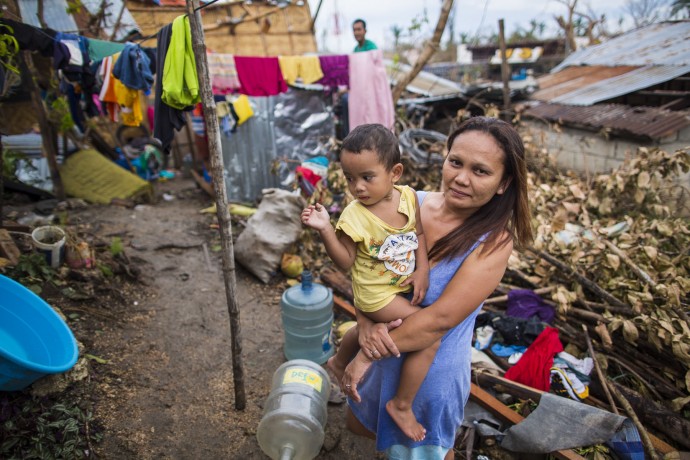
column 403, row 416
column 336, row 369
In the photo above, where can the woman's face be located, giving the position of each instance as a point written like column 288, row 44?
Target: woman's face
column 473, row 171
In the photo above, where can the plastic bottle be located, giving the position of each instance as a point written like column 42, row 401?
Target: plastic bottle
column 307, row 311
column 292, row 427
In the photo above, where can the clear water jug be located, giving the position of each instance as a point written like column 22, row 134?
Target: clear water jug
column 292, row 427
column 307, row 311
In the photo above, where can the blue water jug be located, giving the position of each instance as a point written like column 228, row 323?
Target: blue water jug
column 307, row 311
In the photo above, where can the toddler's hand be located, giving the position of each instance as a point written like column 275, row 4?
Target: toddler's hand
column 316, row 217
column 419, row 279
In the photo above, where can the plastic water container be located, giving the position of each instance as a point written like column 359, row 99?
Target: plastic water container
column 307, row 311
column 292, row 427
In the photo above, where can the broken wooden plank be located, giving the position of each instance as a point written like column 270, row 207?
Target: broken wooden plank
column 338, row 281
column 8, row 249
column 344, row 306
column 526, row 392
column 496, row 407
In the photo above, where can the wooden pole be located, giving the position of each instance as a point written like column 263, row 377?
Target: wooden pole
column 2, row 181
column 215, row 154
column 600, row 373
column 48, row 134
column 505, row 71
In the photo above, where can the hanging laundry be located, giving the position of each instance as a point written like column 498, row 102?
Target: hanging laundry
column 242, row 108
column 370, row 98
column 129, row 101
column 107, row 94
column 534, row 368
column 223, row 73
column 260, row 76
column 167, row 119
column 180, row 81
column 31, row 38
column 305, row 68
column 133, row 68
column 99, row 49
column 336, row 71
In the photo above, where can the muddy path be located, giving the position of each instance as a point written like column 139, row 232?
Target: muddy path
column 166, row 390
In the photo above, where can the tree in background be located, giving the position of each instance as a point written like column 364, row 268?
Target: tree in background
column 680, row 9
column 645, row 12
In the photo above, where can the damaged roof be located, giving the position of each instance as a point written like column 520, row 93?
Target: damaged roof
column 648, row 122
column 633, row 61
column 663, row 43
column 425, row 83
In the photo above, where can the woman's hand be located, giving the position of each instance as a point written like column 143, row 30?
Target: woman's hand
column 374, row 340
column 354, row 373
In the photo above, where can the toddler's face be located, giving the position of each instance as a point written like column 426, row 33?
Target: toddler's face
column 367, row 178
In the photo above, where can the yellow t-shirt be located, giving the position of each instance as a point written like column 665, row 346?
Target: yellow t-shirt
column 385, row 255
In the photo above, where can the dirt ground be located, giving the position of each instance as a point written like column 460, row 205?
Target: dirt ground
column 166, row 391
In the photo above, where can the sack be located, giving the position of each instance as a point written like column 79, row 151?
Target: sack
column 270, row 232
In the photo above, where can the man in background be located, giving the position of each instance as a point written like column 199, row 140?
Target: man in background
column 359, row 29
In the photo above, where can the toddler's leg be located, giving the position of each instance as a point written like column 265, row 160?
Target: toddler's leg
column 414, row 370
column 349, row 345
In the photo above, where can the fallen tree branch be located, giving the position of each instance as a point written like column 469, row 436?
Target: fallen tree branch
column 589, row 284
column 600, row 374
column 648, row 447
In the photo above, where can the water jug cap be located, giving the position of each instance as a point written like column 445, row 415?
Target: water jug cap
column 306, row 280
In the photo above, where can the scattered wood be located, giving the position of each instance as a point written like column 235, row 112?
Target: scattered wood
column 496, row 407
column 8, row 249
column 344, row 306
column 600, row 374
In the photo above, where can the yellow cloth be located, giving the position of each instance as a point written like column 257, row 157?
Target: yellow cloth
column 130, row 104
column 308, row 68
column 385, row 255
column 243, row 109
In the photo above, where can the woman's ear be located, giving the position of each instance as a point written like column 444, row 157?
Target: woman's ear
column 397, row 171
column 504, row 186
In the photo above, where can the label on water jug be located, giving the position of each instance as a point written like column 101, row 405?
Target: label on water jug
column 303, row 376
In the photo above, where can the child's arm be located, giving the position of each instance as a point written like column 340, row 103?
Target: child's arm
column 420, row 277
column 340, row 247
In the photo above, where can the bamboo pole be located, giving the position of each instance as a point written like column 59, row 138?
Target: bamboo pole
column 504, row 65
column 215, row 154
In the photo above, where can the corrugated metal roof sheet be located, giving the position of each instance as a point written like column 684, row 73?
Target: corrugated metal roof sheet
column 639, row 121
column 54, row 14
column 425, row 83
column 573, row 78
column 626, row 83
column 664, row 43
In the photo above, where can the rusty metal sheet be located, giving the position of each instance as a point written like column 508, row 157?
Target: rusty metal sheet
column 647, row 122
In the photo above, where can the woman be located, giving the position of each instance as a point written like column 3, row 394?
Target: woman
column 471, row 226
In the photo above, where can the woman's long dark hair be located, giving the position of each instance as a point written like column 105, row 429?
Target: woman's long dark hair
column 506, row 217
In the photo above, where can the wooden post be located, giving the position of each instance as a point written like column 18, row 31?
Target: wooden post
column 2, row 180
column 48, row 134
column 216, row 157
column 505, row 71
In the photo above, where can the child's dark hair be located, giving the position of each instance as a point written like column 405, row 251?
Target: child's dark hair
column 377, row 138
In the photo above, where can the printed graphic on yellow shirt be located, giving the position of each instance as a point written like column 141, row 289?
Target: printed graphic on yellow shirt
column 397, row 253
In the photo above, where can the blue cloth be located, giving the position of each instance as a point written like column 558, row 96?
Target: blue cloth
column 440, row 402
column 133, row 68
column 626, row 443
column 504, row 351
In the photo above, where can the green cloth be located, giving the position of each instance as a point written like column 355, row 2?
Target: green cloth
column 367, row 46
column 180, row 82
column 98, row 49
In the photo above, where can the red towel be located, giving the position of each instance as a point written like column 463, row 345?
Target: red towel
column 534, row 368
column 260, row 76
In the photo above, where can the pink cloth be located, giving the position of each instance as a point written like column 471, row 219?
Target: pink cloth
column 260, row 76
column 370, row 99
column 534, row 368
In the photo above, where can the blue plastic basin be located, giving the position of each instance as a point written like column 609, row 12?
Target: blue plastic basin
column 34, row 340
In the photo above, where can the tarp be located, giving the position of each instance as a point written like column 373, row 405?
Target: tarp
column 89, row 175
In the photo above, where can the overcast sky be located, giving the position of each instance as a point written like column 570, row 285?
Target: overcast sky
column 470, row 16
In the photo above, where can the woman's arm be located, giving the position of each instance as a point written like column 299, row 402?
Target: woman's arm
column 470, row 286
